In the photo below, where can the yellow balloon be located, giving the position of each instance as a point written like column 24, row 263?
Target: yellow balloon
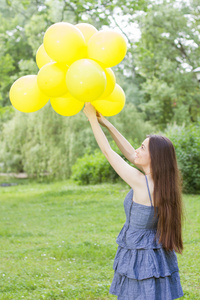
column 42, row 58
column 51, row 79
column 26, row 96
column 111, row 81
column 64, row 43
column 107, row 47
column 87, row 30
column 66, row 105
column 111, row 105
column 86, row 80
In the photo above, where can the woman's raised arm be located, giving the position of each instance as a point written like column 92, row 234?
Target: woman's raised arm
column 124, row 146
column 129, row 174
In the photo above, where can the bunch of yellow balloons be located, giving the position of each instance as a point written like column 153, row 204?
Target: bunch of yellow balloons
column 75, row 67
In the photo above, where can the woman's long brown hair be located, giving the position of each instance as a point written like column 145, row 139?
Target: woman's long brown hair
column 167, row 192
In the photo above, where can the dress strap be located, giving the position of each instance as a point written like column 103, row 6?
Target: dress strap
column 148, row 189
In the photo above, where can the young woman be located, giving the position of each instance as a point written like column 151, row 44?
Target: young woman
column 145, row 264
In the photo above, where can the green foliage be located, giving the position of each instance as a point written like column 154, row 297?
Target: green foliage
column 165, row 56
column 156, row 73
column 92, row 169
column 6, row 66
column 186, row 140
column 6, row 113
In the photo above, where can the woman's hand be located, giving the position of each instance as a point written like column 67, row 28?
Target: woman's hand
column 89, row 111
column 101, row 119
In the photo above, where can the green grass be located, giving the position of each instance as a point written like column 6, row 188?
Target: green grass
column 57, row 241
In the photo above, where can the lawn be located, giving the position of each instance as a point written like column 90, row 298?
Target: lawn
column 57, row 240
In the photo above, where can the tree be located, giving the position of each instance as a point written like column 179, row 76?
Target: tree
column 166, row 54
column 156, row 73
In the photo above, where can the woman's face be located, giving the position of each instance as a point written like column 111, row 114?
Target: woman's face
column 142, row 155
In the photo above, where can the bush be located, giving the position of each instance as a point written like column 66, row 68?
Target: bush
column 186, row 140
column 93, row 168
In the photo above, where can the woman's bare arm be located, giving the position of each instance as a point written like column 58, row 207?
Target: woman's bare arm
column 124, row 146
column 129, row 174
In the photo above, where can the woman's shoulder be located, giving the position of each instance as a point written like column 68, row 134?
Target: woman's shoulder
column 143, row 193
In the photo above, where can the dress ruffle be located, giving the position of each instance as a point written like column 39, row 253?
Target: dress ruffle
column 145, row 263
column 138, row 238
column 161, row 288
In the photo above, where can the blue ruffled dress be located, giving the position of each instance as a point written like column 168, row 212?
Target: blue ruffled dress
column 143, row 269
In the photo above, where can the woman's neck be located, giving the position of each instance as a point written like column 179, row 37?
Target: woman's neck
column 147, row 171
